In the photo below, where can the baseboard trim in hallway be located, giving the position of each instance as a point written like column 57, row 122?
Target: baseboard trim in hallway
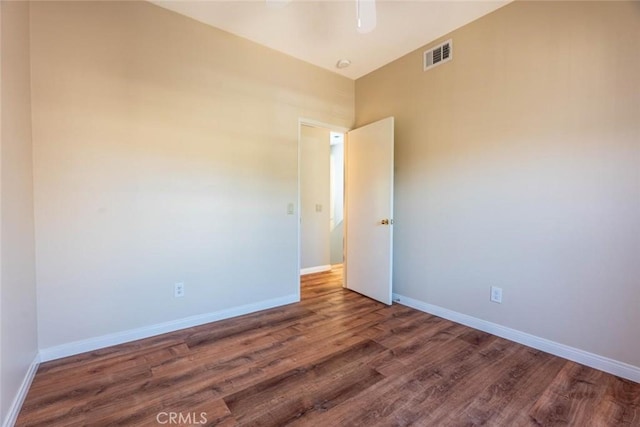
column 317, row 269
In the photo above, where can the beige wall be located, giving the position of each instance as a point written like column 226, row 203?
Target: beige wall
column 315, row 248
column 18, row 332
column 164, row 151
column 518, row 165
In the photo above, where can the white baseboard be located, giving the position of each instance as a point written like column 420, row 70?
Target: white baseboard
column 96, row 343
column 592, row 360
column 16, row 405
column 317, row 269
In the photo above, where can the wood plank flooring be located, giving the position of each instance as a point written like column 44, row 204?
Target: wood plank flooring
column 334, row 359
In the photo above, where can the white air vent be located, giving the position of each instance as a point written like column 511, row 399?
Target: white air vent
column 438, row 55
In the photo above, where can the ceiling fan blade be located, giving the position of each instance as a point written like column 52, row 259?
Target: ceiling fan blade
column 277, row 4
column 366, row 15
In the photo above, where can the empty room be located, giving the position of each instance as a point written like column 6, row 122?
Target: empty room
column 320, row 213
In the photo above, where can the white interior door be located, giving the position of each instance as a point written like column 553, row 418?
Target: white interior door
column 369, row 210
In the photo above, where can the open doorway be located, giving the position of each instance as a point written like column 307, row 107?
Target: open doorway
column 321, row 180
column 367, row 206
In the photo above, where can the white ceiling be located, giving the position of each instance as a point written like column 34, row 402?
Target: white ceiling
column 323, row 31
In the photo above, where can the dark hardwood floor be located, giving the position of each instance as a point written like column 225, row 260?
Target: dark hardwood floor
column 334, row 359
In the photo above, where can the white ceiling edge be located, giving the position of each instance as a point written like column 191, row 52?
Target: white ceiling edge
column 323, row 31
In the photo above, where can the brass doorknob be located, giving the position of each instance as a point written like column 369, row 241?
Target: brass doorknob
column 384, row 222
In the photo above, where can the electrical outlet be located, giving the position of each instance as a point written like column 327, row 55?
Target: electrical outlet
column 178, row 290
column 496, row 294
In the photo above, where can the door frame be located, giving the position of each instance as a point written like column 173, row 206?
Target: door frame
column 302, row 121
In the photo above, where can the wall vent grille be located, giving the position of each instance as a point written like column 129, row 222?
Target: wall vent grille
column 438, row 55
